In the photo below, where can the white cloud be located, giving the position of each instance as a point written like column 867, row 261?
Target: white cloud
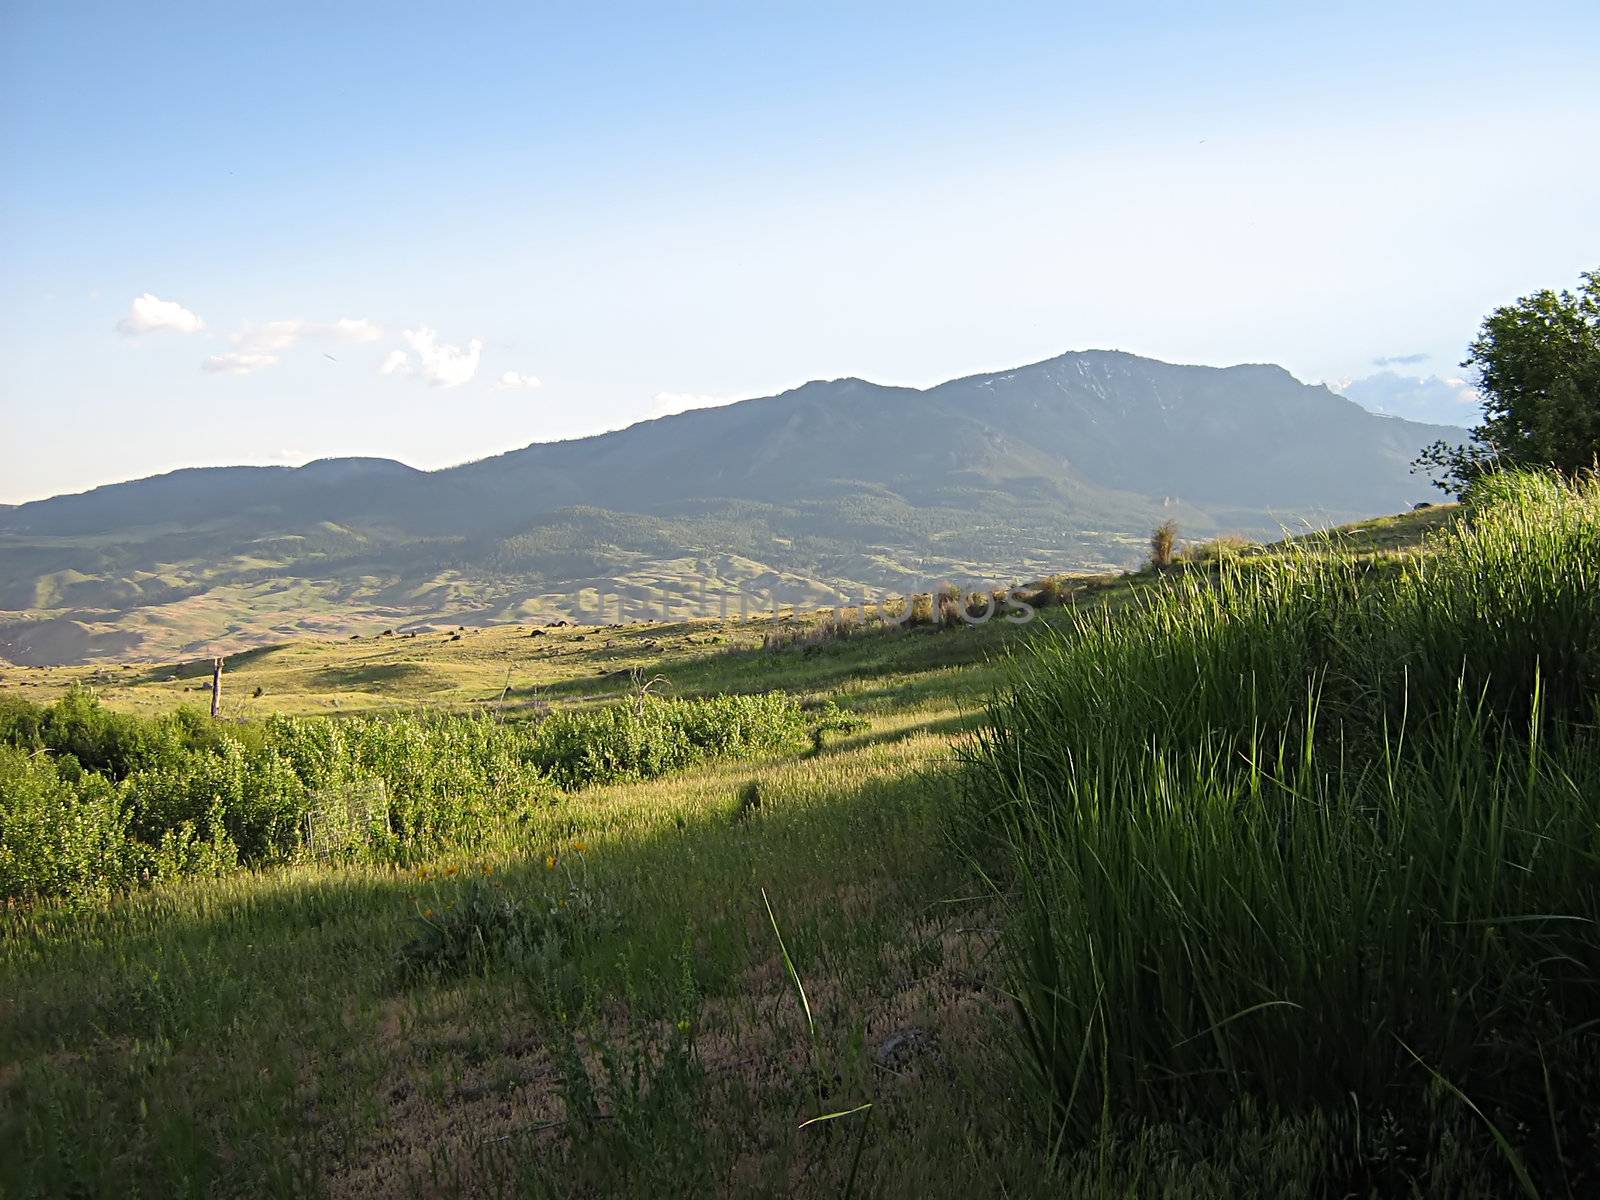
column 349, row 329
column 1446, row 401
column 150, row 314
column 664, row 404
column 512, row 380
column 282, row 335
column 274, row 335
column 440, row 364
column 257, row 347
column 235, row 362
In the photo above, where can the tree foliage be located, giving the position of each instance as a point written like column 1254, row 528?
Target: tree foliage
column 1538, row 368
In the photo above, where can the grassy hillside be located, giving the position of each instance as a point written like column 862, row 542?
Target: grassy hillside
column 660, row 986
column 123, row 604
column 518, row 664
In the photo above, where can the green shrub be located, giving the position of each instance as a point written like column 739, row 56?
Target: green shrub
column 641, row 740
column 484, row 925
column 60, row 836
column 469, row 933
column 21, row 723
column 93, row 801
column 1051, row 593
column 749, row 801
column 1216, row 550
column 99, row 739
column 830, row 718
column 922, row 610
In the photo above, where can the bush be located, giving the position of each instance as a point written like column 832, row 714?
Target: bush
column 1052, row 592
column 830, row 718
column 641, row 740
column 1323, row 837
column 486, row 926
column 60, row 836
column 1163, row 540
column 93, row 801
column 1216, row 550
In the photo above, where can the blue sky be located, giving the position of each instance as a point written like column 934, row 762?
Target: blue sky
column 546, row 221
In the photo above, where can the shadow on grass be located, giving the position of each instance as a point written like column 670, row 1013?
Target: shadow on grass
column 820, row 667
column 198, row 956
column 405, row 677
column 216, row 1030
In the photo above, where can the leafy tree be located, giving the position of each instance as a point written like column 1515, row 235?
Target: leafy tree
column 1538, row 365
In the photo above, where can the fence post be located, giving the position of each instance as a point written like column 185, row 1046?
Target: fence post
column 216, row 687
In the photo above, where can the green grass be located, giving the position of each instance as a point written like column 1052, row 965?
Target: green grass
column 1316, row 832
column 259, row 1031
column 593, row 999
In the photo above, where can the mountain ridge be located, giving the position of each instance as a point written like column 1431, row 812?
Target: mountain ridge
column 841, row 484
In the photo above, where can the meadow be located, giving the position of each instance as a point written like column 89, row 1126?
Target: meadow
column 1272, row 871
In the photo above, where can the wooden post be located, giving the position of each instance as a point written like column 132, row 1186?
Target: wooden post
column 216, row 688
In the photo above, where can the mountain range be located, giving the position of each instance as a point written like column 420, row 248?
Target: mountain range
column 825, row 492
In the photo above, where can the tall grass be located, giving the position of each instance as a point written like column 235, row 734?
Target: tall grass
column 1315, row 834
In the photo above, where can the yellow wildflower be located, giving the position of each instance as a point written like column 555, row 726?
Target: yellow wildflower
column 549, row 862
column 580, row 847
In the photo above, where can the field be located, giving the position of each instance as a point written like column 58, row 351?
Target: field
column 518, row 664
column 193, row 591
column 379, row 1085
column 802, row 971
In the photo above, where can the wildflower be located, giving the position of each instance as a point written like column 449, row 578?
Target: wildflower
column 549, row 862
column 451, row 870
column 426, row 913
column 488, row 868
column 580, row 847
column 422, row 872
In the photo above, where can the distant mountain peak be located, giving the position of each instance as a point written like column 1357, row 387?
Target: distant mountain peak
column 353, row 466
column 843, row 386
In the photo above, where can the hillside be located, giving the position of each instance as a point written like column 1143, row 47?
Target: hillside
column 831, row 489
column 515, row 668
column 406, row 956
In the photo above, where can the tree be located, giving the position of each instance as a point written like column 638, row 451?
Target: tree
column 1538, row 366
